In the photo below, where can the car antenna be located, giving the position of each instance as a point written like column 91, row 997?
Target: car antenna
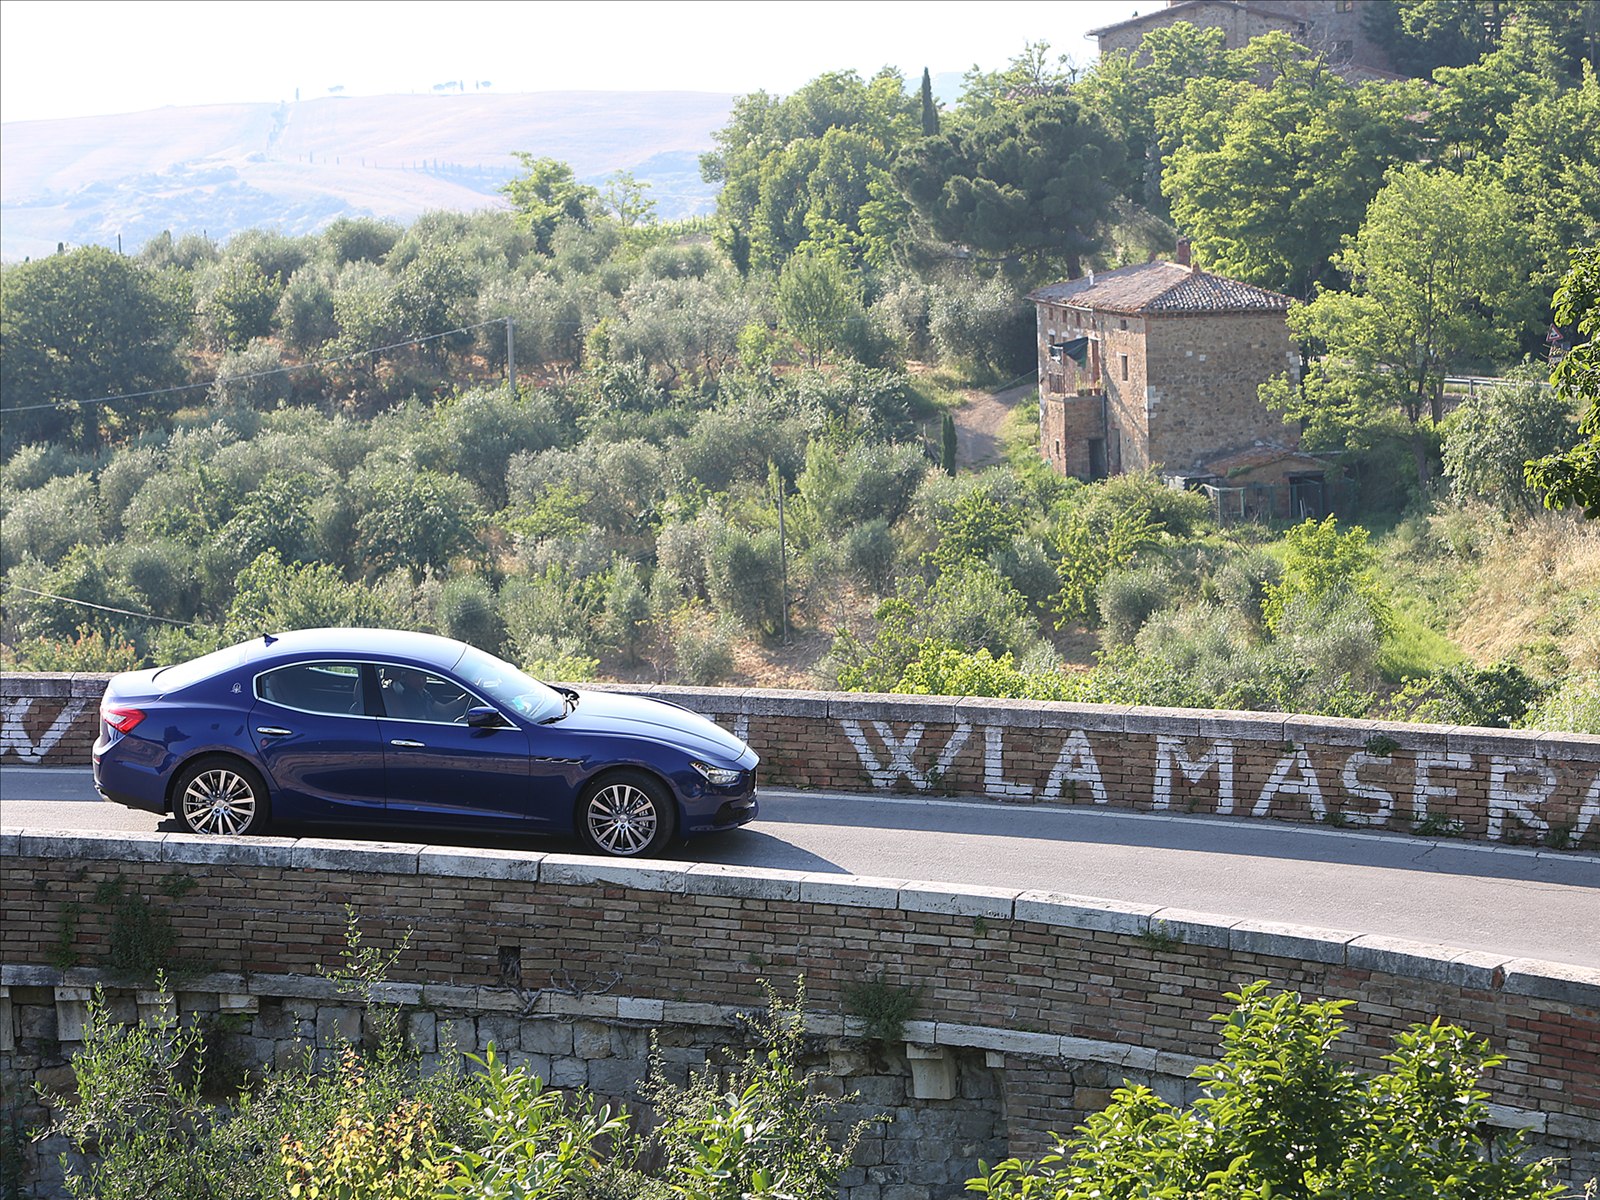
column 268, row 639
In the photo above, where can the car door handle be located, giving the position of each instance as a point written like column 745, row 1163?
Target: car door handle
column 273, row 730
column 407, row 742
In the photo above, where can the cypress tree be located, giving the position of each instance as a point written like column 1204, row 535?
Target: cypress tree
column 948, row 458
column 930, row 114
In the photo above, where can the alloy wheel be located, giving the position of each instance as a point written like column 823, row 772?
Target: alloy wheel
column 219, row 801
column 622, row 819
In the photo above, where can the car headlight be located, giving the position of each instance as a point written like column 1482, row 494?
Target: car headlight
column 721, row 776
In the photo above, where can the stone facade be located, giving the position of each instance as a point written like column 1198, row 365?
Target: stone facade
column 1034, row 1005
column 1333, row 28
column 1157, row 367
column 1493, row 785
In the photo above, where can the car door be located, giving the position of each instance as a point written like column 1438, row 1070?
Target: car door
column 321, row 750
column 438, row 770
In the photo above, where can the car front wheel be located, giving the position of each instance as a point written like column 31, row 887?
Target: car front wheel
column 221, row 797
column 625, row 815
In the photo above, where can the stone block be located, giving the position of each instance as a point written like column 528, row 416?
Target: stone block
column 1561, row 982
column 616, row 1078
column 1092, row 718
column 1398, row 956
column 1502, row 1116
column 1010, row 1041
column 744, row 883
column 504, row 1032
column 851, row 891
column 637, row 1008
column 193, row 849
column 1083, row 912
column 375, row 858
column 581, row 870
column 877, row 706
column 961, row 900
column 466, row 862
column 72, row 1012
column 774, row 702
column 1505, row 743
column 422, row 1031
column 553, row 1038
column 1569, row 747
column 569, row 1073
column 1302, row 943
column 338, row 1025
column 1192, row 928
column 68, row 847
column 933, row 1073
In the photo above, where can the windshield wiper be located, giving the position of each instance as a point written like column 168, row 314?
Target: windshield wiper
column 569, row 704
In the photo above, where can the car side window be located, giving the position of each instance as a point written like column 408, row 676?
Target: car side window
column 333, row 688
column 412, row 694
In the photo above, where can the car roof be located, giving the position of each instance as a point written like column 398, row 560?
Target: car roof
column 425, row 648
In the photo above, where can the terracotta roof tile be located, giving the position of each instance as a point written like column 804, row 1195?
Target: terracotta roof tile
column 1162, row 287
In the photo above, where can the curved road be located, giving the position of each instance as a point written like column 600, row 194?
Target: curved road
column 1516, row 902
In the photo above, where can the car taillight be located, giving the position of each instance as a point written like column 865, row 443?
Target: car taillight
column 120, row 717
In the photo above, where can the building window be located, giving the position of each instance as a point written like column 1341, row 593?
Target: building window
column 1122, row 324
column 1124, row 359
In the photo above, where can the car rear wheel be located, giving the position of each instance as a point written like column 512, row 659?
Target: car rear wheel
column 626, row 814
column 222, row 797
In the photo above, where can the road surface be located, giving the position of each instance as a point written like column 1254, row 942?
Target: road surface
column 1532, row 904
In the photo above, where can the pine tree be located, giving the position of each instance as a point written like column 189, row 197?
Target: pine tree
column 930, row 114
column 948, row 458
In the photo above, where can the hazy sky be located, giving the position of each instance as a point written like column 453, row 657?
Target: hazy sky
column 60, row 58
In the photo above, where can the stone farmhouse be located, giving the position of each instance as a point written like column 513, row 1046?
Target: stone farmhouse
column 1157, row 367
column 1333, row 28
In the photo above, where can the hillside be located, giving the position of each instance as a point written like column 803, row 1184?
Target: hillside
column 294, row 167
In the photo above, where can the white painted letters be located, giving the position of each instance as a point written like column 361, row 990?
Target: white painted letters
column 1589, row 812
column 1280, row 784
column 900, row 751
column 1171, row 755
column 1357, row 787
column 994, row 765
column 1508, row 801
column 14, row 737
column 1426, row 789
column 1076, row 764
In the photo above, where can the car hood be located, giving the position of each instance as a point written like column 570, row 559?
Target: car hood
column 635, row 716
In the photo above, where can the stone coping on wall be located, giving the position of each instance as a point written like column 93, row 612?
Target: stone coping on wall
column 1480, row 970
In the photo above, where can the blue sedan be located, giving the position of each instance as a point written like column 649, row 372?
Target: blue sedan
column 372, row 727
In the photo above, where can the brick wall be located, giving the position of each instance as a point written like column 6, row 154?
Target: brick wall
column 1482, row 784
column 1064, row 997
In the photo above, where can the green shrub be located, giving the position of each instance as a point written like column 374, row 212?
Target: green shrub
column 1128, row 598
column 1278, row 1115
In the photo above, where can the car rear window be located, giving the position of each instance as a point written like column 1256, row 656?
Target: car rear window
column 182, row 675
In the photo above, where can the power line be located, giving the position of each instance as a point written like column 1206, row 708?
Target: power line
column 191, row 387
column 126, row 612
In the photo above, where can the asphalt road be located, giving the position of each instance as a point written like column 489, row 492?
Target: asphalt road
column 1530, row 904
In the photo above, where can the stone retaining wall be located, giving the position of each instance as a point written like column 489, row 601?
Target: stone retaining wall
column 1482, row 784
column 1033, row 1004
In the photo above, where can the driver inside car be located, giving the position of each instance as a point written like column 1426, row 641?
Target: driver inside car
column 406, row 696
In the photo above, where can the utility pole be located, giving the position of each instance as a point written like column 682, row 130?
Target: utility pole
column 511, row 356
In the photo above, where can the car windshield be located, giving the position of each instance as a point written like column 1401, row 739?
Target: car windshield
column 506, row 685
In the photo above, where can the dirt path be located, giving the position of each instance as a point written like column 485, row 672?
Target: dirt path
column 979, row 420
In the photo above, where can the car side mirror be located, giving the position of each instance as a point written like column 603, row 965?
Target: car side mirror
column 484, row 717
